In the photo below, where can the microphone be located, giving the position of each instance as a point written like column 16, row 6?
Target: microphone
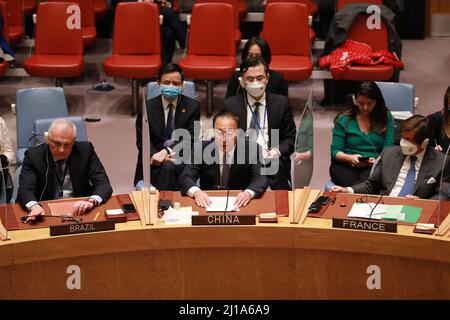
column 64, row 217
column 376, row 204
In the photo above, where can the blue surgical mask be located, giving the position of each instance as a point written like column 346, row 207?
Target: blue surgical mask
column 170, row 92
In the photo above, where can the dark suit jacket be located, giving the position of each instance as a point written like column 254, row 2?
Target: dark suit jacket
column 388, row 167
column 244, row 174
column 279, row 116
column 186, row 113
column 276, row 84
column 87, row 174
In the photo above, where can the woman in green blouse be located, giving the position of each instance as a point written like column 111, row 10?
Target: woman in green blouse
column 359, row 135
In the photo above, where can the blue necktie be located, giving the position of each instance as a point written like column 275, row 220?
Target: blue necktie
column 410, row 181
column 170, row 124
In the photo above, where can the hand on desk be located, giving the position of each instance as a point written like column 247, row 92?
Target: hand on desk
column 339, row 189
column 410, row 196
column 243, row 199
column 35, row 211
column 81, row 207
column 202, row 199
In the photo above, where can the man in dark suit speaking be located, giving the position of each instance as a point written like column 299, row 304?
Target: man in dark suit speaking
column 267, row 118
column 166, row 113
column 230, row 161
column 411, row 170
column 62, row 168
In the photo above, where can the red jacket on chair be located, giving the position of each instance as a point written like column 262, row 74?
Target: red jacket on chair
column 356, row 53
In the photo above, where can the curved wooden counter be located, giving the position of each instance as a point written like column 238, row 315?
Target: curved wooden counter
column 266, row 261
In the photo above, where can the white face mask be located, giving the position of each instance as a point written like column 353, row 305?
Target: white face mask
column 408, row 148
column 256, row 89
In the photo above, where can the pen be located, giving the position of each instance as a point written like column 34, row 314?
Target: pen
column 96, row 216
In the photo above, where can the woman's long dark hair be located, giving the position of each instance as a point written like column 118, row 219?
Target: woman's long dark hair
column 378, row 116
column 263, row 46
column 446, row 121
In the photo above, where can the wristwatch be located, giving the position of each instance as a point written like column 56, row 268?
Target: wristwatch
column 93, row 201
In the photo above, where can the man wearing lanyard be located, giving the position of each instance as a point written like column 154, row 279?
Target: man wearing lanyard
column 267, row 118
column 62, row 168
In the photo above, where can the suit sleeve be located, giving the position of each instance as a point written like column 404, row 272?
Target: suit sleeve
column 259, row 182
column 98, row 177
column 28, row 182
column 188, row 177
column 373, row 184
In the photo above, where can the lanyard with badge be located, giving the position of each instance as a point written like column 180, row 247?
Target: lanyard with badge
column 63, row 193
column 260, row 129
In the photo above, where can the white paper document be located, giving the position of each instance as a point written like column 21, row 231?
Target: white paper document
column 218, row 204
column 182, row 215
column 366, row 210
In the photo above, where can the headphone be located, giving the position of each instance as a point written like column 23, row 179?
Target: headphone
column 46, row 137
column 241, row 82
column 354, row 99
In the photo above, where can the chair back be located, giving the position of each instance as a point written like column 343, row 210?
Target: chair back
column 87, row 11
column 212, row 30
column 5, row 20
column 36, row 103
column 41, row 126
column 398, row 96
column 376, row 38
column 52, row 33
column 342, row 3
column 234, row 3
column 280, row 21
column 136, row 29
column 15, row 12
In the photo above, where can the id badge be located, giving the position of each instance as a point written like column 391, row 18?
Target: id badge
column 67, row 194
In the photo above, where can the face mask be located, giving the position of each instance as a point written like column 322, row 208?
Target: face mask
column 256, row 88
column 170, row 92
column 408, row 148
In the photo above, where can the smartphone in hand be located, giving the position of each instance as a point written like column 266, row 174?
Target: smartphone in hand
column 363, row 159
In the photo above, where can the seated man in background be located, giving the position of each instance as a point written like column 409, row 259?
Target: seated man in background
column 411, row 170
column 267, row 118
column 169, row 111
column 62, row 168
column 227, row 162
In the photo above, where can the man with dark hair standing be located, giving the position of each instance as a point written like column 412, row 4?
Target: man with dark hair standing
column 411, row 170
column 267, row 118
column 169, row 111
column 227, row 162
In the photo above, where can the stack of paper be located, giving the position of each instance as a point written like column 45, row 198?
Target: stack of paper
column 218, row 204
column 386, row 212
column 182, row 215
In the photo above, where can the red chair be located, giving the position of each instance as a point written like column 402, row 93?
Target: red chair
column 100, row 8
column 378, row 40
column 4, row 64
column 29, row 6
column 136, row 45
column 291, row 51
column 211, row 51
column 310, row 5
column 342, row 3
column 235, row 4
column 88, row 30
column 15, row 20
column 58, row 51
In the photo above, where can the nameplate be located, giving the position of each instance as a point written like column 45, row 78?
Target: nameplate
column 84, row 227
column 223, row 219
column 366, row 225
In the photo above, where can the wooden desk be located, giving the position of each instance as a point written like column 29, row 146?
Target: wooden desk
column 266, row 261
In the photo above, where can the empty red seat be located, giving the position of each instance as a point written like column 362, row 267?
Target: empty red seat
column 88, row 30
column 235, row 4
column 378, row 40
column 15, row 20
column 58, row 51
column 291, row 51
column 242, row 9
column 136, row 44
column 211, row 51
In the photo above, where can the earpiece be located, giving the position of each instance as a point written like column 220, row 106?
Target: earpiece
column 354, row 99
column 241, row 82
column 46, row 137
column 425, row 143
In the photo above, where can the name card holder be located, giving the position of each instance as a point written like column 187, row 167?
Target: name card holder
column 84, row 227
column 365, row 224
column 223, row 219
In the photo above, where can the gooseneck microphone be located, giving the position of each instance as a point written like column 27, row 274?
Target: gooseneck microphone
column 64, row 217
